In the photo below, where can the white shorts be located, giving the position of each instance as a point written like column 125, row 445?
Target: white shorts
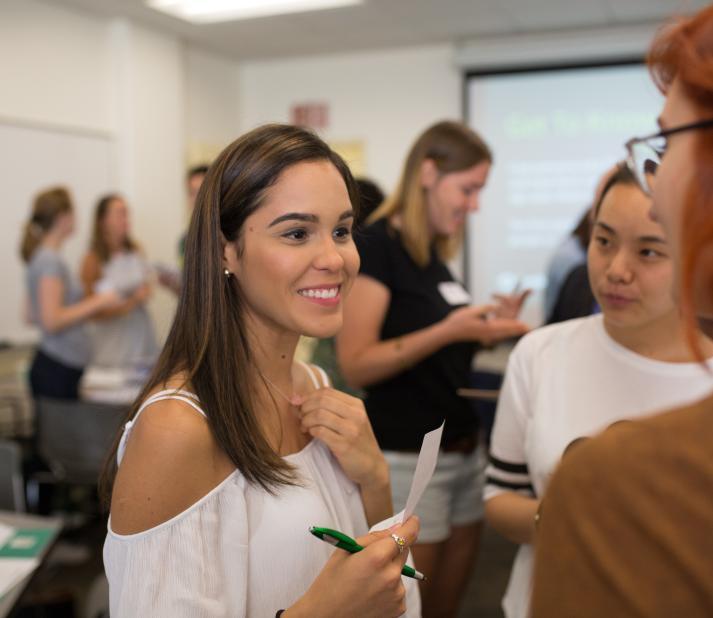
column 454, row 497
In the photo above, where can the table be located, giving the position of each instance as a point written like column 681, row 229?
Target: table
column 23, row 520
column 112, row 385
column 479, row 393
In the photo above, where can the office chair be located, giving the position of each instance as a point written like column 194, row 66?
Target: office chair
column 12, row 495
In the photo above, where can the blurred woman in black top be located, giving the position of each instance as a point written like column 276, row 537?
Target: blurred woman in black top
column 408, row 339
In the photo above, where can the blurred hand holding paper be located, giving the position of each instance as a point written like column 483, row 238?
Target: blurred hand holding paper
column 123, row 274
column 425, row 466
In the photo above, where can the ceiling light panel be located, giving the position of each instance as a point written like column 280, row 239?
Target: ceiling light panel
column 211, row 11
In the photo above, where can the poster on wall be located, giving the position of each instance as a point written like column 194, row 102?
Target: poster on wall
column 352, row 151
column 310, row 115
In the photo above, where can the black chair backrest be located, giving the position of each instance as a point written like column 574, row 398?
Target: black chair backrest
column 74, row 437
column 12, row 493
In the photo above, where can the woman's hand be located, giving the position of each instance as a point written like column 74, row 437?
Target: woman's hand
column 170, row 280
column 481, row 323
column 510, row 305
column 340, row 421
column 367, row 584
column 141, row 294
column 110, row 299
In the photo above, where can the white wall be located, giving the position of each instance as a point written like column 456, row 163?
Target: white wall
column 150, row 140
column 54, row 67
column 386, row 97
column 383, row 98
column 560, row 47
column 70, row 79
column 212, row 103
column 160, row 104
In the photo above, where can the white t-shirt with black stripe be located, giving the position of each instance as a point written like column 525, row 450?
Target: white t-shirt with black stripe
column 563, row 382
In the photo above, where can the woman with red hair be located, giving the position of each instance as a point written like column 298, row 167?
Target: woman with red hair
column 626, row 527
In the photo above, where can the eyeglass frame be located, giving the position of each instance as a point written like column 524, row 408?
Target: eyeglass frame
column 630, row 160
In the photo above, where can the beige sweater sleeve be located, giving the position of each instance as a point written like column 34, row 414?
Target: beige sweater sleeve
column 626, row 526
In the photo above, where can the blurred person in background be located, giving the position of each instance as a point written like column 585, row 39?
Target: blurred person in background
column 123, row 336
column 625, row 526
column 408, row 339
column 568, row 294
column 168, row 276
column 56, row 302
column 194, row 180
column 324, row 354
column 575, row 298
column 569, row 254
column 571, row 380
column 370, row 198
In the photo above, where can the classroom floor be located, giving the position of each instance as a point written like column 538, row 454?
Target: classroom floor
column 490, row 577
column 72, row 587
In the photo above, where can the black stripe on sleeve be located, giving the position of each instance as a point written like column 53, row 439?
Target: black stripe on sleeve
column 490, row 480
column 506, row 466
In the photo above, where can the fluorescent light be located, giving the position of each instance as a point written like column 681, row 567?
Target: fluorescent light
column 208, row 11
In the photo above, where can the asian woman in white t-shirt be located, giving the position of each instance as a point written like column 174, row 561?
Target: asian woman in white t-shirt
column 571, row 380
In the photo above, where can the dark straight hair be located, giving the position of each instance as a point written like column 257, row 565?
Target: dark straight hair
column 622, row 176
column 208, row 339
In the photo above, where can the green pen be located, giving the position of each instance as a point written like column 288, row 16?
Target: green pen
column 347, row 543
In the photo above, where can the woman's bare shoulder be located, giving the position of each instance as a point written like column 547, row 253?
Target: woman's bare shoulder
column 171, row 461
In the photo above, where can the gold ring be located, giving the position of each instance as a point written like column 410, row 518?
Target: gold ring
column 400, row 542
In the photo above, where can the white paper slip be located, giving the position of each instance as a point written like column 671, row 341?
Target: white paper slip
column 426, row 464
column 104, row 285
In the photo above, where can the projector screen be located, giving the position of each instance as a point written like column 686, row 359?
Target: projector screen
column 553, row 133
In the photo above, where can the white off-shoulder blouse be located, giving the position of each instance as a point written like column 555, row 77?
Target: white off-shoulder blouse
column 238, row 551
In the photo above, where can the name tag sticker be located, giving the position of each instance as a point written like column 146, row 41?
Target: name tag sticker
column 454, row 293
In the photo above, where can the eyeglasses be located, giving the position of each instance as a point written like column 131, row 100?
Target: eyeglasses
column 645, row 153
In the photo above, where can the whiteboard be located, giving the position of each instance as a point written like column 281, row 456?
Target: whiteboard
column 32, row 159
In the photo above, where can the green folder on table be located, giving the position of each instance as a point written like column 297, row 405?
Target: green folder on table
column 26, row 543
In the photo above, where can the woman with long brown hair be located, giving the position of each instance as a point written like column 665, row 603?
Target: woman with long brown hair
column 233, row 450
column 626, row 527
column 122, row 336
column 408, row 339
column 55, row 299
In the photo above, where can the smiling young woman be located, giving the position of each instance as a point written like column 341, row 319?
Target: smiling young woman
column 625, row 527
column 297, row 267
column 233, row 450
column 409, row 337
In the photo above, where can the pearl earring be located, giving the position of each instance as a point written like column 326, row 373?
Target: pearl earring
column 226, row 272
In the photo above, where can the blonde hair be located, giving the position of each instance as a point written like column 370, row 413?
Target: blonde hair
column 453, row 147
column 48, row 205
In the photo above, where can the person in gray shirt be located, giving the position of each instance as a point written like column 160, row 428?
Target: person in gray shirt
column 56, row 305
column 124, row 335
